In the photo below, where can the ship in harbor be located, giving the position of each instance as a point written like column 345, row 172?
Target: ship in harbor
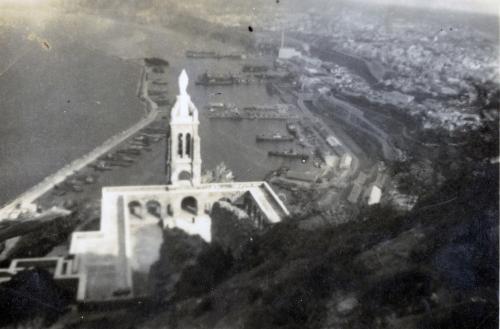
column 274, row 138
column 230, row 115
column 223, row 111
column 254, row 68
column 261, row 108
column 232, row 56
column 290, row 154
column 213, row 55
column 253, row 112
column 201, row 54
column 273, row 76
column 282, row 109
column 212, row 107
column 207, row 79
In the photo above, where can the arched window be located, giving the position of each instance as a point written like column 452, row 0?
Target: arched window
column 135, row 208
column 190, row 205
column 154, row 208
column 184, row 175
column 179, row 145
column 188, row 144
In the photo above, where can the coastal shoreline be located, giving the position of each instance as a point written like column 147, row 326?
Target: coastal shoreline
column 25, row 201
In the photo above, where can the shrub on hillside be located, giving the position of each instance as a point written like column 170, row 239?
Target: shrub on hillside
column 29, row 295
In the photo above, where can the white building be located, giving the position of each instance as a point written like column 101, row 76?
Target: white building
column 375, row 195
column 345, row 161
column 288, row 53
column 332, row 141
column 113, row 264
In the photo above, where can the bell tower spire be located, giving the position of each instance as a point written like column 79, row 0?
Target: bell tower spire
column 183, row 143
column 183, row 83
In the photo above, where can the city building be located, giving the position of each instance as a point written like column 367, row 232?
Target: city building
column 287, row 52
column 374, row 195
column 345, row 161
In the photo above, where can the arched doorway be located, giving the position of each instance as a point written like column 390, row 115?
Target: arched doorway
column 185, row 175
column 135, row 208
column 154, row 208
column 190, row 205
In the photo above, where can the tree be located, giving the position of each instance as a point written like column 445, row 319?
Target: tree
column 220, row 174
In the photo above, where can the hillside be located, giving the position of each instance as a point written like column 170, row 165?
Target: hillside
column 435, row 267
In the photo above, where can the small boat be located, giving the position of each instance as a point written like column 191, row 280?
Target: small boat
column 216, row 80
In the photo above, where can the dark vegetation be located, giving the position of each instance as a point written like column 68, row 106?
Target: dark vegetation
column 211, row 268
column 435, row 267
column 155, row 61
column 32, row 295
column 230, row 230
column 456, row 156
column 188, row 267
column 41, row 241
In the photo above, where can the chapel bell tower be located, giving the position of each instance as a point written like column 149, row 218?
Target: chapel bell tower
column 183, row 143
